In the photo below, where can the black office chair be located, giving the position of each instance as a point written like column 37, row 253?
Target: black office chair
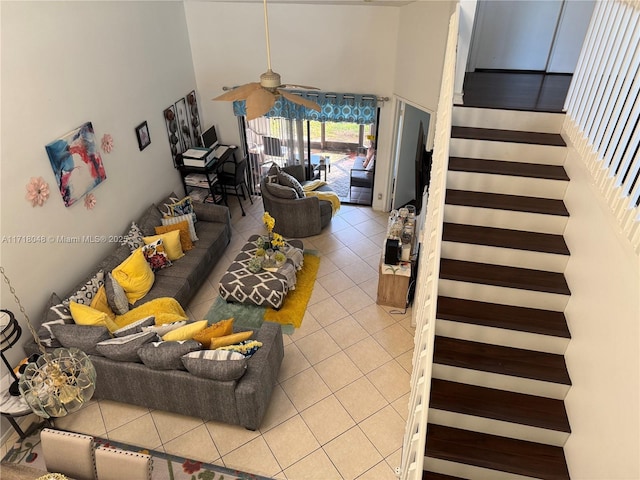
column 232, row 174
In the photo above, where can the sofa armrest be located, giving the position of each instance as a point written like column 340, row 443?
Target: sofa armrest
column 296, row 171
column 210, row 212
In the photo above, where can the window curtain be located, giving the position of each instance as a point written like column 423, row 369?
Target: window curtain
column 334, row 107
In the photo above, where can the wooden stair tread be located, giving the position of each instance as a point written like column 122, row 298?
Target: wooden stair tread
column 514, row 136
column 503, row 276
column 522, row 319
column 426, row 475
column 517, row 362
column 505, row 238
column 501, row 201
column 496, row 453
column 520, row 408
column 500, row 167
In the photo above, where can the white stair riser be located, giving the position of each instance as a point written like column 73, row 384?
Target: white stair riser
column 491, row 217
column 461, row 470
column 497, row 427
column 504, row 295
column 506, row 184
column 541, row 122
column 501, row 336
column 510, row 151
column 504, row 256
column 501, row 382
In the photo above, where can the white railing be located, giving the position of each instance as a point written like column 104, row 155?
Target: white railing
column 424, row 311
column 603, row 109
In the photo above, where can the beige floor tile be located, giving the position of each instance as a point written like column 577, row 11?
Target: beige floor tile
column 355, row 216
column 293, row 362
column 395, row 459
column 406, row 360
column 338, row 371
column 370, row 226
column 327, row 419
column 368, row 355
column 305, row 389
column 395, row 340
column 385, row 429
column 336, row 282
column 361, row 399
column 228, row 438
column 374, row 318
column 346, row 332
column 206, row 293
column 360, row 271
column 373, row 260
column 116, row 414
column 327, row 243
column 342, row 257
column 327, row 311
column 319, row 294
column 198, row 311
column 337, row 224
column 172, row 425
column 280, row 409
column 309, row 325
column 391, row 380
column 315, row 466
column 140, row 432
column 401, row 406
column 352, row 453
column 350, row 236
column 317, row 346
column 381, row 471
column 354, row 299
column 370, row 287
column 87, row 420
column 253, row 457
column 195, row 444
column 291, row 441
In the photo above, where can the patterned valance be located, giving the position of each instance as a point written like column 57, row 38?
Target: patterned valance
column 334, row 107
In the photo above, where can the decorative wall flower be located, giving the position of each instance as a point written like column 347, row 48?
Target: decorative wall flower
column 89, row 201
column 37, row 191
column 107, row 143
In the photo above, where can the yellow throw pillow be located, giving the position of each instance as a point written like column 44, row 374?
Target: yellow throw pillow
column 185, row 236
column 220, row 329
column 171, row 242
column 185, row 333
column 85, row 315
column 135, row 276
column 100, row 302
column 229, row 339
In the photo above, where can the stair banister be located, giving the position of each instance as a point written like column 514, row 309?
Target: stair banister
column 424, row 311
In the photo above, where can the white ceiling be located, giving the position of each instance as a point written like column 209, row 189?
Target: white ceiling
column 378, row 3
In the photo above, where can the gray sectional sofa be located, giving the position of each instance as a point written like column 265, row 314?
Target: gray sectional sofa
column 243, row 401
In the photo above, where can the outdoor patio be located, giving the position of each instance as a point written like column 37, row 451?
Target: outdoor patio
column 338, row 173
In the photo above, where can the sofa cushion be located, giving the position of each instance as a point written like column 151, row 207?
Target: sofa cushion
column 167, row 355
column 84, row 337
column 116, row 296
column 149, row 220
column 218, row 342
column 155, row 255
column 290, row 181
column 281, row 191
column 85, row 315
column 218, row 329
column 219, row 365
column 164, row 328
column 186, row 332
column 183, row 228
column 135, row 276
column 101, row 303
column 181, row 218
column 133, row 238
column 171, row 241
column 165, row 286
column 135, row 327
column 125, row 349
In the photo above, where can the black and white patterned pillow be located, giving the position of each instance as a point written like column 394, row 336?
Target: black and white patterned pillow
column 88, row 291
column 133, row 239
column 290, row 181
column 57, row 314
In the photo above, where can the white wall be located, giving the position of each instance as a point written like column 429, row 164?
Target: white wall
column 64, row 63
column 603, row 356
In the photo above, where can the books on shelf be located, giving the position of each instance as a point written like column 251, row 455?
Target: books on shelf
column 197, row 180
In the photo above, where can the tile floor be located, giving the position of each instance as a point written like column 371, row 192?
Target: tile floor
column 340, row 405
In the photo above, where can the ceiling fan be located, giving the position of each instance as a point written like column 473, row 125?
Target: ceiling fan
column 261, row 96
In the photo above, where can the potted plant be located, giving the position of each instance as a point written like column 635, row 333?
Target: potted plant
column 280, row 259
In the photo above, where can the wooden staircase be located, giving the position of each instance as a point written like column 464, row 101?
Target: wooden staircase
column 499, row 375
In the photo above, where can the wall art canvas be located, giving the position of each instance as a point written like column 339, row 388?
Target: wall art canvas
column 171, row 121
column 194, row 119
column 76, row 163
column 183, row 124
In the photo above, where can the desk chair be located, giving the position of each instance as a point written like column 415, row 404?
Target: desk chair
column 232, row 174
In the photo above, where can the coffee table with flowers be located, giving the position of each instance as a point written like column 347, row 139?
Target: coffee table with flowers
column 256, row 276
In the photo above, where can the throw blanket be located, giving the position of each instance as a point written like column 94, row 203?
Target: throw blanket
column 310, row 191
column 165, row 309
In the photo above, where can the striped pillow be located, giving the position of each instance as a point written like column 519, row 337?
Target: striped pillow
column 181, row 218
column 216, row 364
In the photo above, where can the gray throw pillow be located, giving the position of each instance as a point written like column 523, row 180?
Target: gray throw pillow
column 274, row 169
column 135, row 327
column 116, row 296
column 281, row 191
column 221, row 365
column 125, row 349
column 290, row 181
column 84, row 337
column 167, row 355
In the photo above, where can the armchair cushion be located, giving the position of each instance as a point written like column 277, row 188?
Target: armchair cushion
column 290, row 181
column 281, row 191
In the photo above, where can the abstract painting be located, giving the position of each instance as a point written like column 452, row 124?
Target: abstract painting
column 76, row 163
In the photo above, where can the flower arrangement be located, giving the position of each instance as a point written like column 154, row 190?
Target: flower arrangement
column 273, row 240
column 268, row 221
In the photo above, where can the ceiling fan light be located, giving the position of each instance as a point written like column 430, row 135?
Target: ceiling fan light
column 270, row 79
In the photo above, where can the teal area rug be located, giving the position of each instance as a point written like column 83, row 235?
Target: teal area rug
column 250, row 316
column 28, row 452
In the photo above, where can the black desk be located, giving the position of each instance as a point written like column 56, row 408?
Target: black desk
column 218, row 194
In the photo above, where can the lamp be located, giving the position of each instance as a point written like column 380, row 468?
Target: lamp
column 57, row 383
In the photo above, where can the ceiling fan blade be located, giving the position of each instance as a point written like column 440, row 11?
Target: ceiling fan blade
column 299, row 100
column 239, row 93
column 298, row 87
column 259, row 102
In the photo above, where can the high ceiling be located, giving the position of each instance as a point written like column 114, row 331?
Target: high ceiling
column 378, row 3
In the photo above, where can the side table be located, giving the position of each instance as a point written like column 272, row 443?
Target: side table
column 13, row 407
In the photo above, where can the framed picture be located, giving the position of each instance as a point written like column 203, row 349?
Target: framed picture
column 142, row 132
column 183, row 124
column 194, row 119
column 171, row 121
column 76, row 163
